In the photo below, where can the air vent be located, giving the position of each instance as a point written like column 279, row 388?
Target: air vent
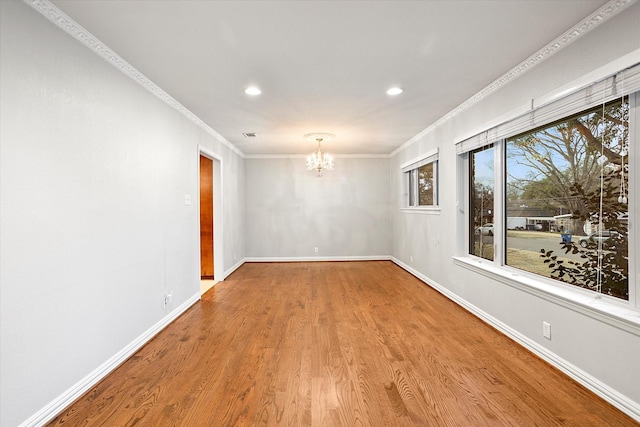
column 249, row 134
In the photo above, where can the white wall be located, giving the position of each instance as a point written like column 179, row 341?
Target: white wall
column 290, row 211
column 93, row 174
column 607, row 353
column 94, row 228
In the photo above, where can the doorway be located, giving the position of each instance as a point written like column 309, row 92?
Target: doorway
column 211, row 263
column 207, row 266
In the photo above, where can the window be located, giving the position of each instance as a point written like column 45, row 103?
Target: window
column 481, row 189
column 569, row 179
column 420, row 181
column 548, row 198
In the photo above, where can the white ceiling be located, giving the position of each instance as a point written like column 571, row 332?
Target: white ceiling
column 324, row 66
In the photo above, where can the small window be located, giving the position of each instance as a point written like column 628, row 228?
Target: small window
column 426, row 187
column 481, row 189
column 420, row 181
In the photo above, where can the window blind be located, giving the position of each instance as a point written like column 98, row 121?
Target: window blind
column 426, row 158
column 615, row 86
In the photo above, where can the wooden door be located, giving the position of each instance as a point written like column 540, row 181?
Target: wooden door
column 206, row 218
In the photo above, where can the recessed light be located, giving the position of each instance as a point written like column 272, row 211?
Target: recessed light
column 394, row 91
column 253, row 90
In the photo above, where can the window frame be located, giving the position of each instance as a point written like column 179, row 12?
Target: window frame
column 471, row 223
column 623, row 313
column 410, row 187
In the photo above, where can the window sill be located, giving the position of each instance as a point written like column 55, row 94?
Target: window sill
column 622, row 317
column 428, row 210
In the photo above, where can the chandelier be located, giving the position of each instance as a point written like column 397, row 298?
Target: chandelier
column 319, row 161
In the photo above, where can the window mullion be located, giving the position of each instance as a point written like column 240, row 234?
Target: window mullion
column 499, row 204
column 416, row 188
column 436, row 201
column 462, row 204
column 634, row 201
column 407, row 189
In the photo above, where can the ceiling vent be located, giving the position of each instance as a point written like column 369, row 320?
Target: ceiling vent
column 249, row 134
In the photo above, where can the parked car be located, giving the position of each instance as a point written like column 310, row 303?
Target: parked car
column 486, row 230
column 609, row 239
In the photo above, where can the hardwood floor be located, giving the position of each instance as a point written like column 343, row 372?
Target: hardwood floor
column 334, row 344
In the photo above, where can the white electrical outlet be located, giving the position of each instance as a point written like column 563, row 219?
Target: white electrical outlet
column 411, row 258
column 316, row 249
column 546, row 330
column 167, row 298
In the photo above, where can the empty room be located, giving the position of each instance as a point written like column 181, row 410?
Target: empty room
column 319, row 213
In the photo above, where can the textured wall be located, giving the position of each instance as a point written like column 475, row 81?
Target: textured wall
column 343, row 213
column 94, row 170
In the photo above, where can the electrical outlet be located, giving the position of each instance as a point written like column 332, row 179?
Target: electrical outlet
column 316, row 249
column 411, row 258
column 167, row 298
column 546, row 330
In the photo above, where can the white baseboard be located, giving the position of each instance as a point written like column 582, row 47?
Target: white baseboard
column 60, row 403
column 319, row 258
column 620, row 401
column 231, row 270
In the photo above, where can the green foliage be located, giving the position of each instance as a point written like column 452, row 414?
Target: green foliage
column 543, row 193
column 601, row 270
column 558, row 155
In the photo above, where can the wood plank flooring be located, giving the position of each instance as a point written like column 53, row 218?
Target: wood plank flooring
column 334, row 344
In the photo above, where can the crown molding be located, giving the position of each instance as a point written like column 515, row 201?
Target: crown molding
column 74, row 29
column 591, row 22
column 304, row 156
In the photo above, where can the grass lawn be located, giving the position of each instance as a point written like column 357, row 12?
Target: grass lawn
column 530, row 261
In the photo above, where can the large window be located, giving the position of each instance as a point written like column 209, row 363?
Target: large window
column 420, row 181
column 549, row 199
column 566, row 200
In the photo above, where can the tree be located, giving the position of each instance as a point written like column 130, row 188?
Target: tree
column 542, row 193
column 482, row 204
column 546, row 163
column 425, row 185
column 482, row 244
column 594, row 179
column 603, row 270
